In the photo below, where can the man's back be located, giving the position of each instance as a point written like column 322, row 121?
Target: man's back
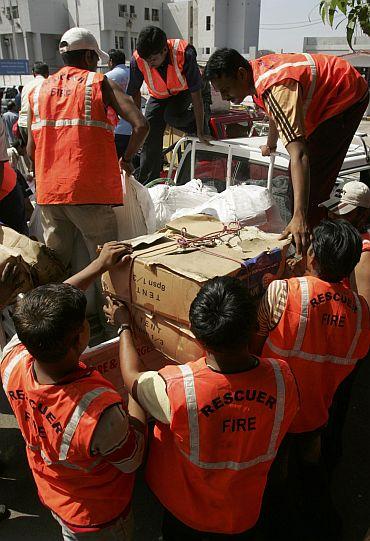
column 75, row 157
column 224, row 433
column 322, row 332
column 10, row 118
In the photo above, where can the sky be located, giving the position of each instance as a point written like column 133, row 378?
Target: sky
column 280, row 17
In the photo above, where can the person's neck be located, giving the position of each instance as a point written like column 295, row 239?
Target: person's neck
column 50, row 373
column 235, row 361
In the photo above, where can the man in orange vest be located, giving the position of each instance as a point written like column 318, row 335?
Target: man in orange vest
column 71, row 141
column 219, row 420
column 171, row 73
column 83, row 445
column 315, row 104
column 317, row 325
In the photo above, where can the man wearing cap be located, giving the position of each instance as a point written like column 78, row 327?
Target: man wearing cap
column 352, row 202
column 71, row 141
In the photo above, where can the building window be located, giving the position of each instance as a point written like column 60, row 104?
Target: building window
column 155, row 14
column 132, row 10
column 121, row 42
column 147, row 14
column 13, row 14
column 122, row 9
column 116, row 42
column 208, row 50
column 208, row 22
column 133, row 43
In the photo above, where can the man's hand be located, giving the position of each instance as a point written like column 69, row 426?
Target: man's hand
column 113, row 253
column 126, row 166
column 10, row 281
column 299, row 229
column 205, row 139
column 117, row 313
column 266, row 150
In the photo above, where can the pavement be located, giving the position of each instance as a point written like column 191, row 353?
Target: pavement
column 29, row 520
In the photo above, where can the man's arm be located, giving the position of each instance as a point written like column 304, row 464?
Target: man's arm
column 31, row 147
column 284, row 104
column 272, row 139
column 360, row 277
column 135, row 83
column 124, row 106
column 111, row 254
column 130, row 363
column 3, row 150
column 300, row 172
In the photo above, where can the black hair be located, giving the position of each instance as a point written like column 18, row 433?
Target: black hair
column 117, row 56
column 223, row 315
column 74, row 58
column 225, row 62
column 40, row 68
column 48, row 320
column 10, row 105
column 337, row 246
column 151, row 40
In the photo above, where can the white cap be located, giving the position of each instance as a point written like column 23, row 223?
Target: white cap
column 80, row 38
column 350, row 196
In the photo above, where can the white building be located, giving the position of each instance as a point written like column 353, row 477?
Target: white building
column 335, row 45
column 31, row 29
column 211, row 24
column 115, row 23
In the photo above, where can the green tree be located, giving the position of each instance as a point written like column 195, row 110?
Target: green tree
column 356, row 13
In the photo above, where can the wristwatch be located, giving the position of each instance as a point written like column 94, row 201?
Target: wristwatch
column 123, row 327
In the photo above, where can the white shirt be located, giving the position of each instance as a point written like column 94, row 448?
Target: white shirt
column 27, row 89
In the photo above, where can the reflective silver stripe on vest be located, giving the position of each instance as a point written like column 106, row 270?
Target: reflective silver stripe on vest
column 303, row 318
column 308, row 356
column 79, row 411
column 191, row 405
column 72, row 122
column 36, row 110
column 176, row 65
column 279, row 68
column 9, row 369
column 358, row 327
column 193, row 423
column 280, row 407
column 311, row 90
column 149, row 80
column 88, row 94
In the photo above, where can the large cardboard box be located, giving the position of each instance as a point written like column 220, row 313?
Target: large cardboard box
column 163, row 278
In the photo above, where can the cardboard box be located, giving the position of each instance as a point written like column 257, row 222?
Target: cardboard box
column 163, row 278
column 158, row 343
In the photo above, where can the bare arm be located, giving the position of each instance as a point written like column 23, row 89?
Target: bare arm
column 137, row 99
column 31, row 147
column 111, row 254
column 130, row 363
column 125, row 107
column 360, row 278
column 272, row 139
column 300, row 171
column 198, row 112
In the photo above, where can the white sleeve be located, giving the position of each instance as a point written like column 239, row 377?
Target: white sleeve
column 152, row 396
column 3, row 143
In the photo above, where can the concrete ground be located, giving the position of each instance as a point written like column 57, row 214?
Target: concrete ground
column 29, row 520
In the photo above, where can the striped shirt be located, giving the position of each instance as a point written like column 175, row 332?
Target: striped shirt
column 284, row 104
column 272, row 306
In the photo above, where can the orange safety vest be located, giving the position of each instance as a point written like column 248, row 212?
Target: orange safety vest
column 329, row 84
column 209, row 466
column 57, row 423
column 9, row 180
column 176, row 81
column 322, row 333
column 75, row 161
